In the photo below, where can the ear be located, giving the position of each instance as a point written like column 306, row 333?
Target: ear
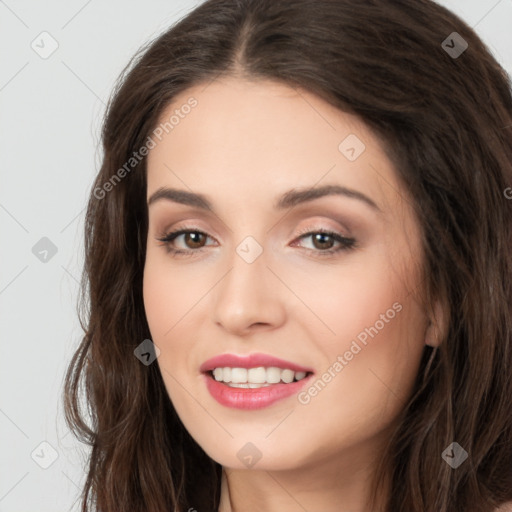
column 436, row 328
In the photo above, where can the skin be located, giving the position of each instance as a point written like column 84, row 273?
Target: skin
column 244, row 145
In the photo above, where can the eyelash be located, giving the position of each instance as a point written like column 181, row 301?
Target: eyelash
column 347, row 244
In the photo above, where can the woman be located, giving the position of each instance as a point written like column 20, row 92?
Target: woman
column 298, row 261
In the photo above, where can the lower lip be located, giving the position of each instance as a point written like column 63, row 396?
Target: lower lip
column 252, row 398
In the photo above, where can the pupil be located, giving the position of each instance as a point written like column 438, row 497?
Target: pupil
column 318, row 238
column 193, row 236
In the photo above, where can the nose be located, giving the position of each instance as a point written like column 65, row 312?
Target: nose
column 249, row 297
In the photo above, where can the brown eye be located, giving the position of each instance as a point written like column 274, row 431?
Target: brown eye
column 194, row 239
column 323, row 241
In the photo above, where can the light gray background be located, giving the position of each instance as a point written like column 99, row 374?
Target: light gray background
column 50, row 114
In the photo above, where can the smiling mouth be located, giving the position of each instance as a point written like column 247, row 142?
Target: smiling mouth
column 260, row 377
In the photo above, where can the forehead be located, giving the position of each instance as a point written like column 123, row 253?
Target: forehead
column 263, row 137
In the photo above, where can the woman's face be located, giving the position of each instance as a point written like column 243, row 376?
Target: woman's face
column 255, row 274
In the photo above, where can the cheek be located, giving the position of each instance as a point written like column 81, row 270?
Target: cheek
column 166, row 301
column 346, row 297
column 376, row 328
column 169, row 293
column 364, row 386
column 167, row 298
column 160, row 299
column 173, row 298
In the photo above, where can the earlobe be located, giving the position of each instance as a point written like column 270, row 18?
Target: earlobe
column 436, row 327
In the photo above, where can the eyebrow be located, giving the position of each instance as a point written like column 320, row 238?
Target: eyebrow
column 287, row 200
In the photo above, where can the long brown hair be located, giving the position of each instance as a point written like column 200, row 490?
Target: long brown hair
column 444, row 114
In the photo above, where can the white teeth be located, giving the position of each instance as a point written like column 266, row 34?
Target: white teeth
column 218, row 374
column 273, row 375
column 256, row 377
column 238, row 375
column 287, row 376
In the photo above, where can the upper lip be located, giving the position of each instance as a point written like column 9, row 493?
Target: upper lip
column 250, row 361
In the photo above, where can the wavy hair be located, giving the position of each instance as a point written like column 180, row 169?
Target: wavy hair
column 445, row 121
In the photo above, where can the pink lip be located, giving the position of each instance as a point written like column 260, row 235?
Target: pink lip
column 251, row 398
column 250, row 361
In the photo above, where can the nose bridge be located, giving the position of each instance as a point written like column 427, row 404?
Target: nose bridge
column 246, row 294
column 245, row 282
